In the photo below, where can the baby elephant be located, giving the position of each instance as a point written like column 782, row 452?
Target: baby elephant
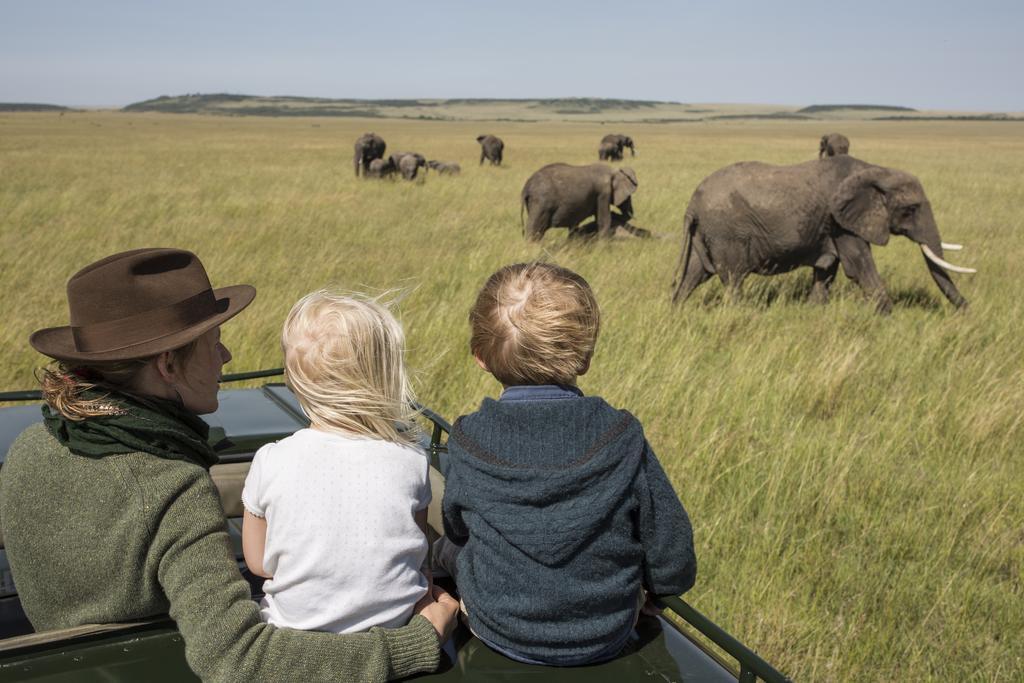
column 408, row 163
column 380, row 168
column 445, row 167
column 563, row 196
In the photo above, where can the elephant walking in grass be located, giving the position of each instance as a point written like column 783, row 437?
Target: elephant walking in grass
column 368, row 147
column 563, row 196
column 612, row 146
column 833, row 144
column 491, row 148
column 757, row 218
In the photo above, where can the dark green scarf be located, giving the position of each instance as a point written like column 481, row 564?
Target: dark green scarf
column 151, row 425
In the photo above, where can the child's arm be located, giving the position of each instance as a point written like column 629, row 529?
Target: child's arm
column 254, row 542
column 421, row 521
column 254, row 524
column 670, row 565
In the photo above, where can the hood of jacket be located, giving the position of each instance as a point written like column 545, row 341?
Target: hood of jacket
column 547, row 475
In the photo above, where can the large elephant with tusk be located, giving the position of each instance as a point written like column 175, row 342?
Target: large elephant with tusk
column 757, row 218
column 369, row 146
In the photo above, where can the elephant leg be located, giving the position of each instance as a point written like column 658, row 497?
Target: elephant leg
column 825, row 270
column 823, row 279
column 604, row 217
column 733, row 282
column 693, row 277
column 538, row 221
column 482, row 157
column 585, row 231
column 859, row 266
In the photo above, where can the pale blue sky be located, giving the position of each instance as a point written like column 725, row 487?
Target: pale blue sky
column 939, row 55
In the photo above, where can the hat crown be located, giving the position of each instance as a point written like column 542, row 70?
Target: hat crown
column 134, row 282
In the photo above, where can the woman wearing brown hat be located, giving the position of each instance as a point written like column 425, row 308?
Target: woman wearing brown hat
column 109, row 511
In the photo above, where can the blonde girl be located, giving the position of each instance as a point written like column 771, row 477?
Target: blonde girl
column 335, row 515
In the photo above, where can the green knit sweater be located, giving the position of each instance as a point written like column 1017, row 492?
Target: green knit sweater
column 129, row 536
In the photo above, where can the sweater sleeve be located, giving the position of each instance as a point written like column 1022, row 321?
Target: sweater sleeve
column 225, row 639
column 670, row 565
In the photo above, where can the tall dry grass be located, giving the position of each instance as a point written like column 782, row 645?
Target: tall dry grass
column 855, row 481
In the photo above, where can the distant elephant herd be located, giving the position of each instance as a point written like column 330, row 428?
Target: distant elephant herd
column 369, row 158
column 748, row 217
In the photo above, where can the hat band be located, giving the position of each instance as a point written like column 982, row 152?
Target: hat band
column 112, row 335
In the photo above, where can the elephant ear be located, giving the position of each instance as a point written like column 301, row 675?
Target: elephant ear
column 860, row 205
column 624, row 184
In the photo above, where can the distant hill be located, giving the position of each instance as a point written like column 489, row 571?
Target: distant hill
column 254, row 105
column 31, row 106
column 584, row 109
column 823, row 108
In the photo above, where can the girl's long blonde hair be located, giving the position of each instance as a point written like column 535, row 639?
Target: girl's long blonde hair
column 344, row 361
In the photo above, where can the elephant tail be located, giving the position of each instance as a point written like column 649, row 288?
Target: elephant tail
column 522, row 205
column 679, row 275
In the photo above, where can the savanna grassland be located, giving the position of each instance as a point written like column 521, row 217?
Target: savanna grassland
column 856, row 482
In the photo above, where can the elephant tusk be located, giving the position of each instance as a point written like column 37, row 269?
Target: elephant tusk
column 949, row 246
column 930, row 255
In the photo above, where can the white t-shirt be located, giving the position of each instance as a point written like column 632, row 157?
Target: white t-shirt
column 342, row 544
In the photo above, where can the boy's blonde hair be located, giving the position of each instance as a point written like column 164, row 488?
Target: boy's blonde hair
column 343, row 357
column 535, row 323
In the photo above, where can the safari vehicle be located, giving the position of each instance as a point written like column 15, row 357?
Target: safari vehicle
column 673, row 647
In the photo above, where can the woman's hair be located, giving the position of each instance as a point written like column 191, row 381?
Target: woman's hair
column 344, row 361
column 535, row 323
column 63, row 383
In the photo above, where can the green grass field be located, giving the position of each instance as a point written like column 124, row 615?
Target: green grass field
column 855, row 481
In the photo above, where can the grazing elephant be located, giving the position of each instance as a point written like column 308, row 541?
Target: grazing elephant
column 833, row 144
column 411, row 168
column 380, row 168
column 368, row 147
column 619, row 142
column 563, row 196
column 491, row 149
column 757, row 218
column 445, row 167
column 410, row 164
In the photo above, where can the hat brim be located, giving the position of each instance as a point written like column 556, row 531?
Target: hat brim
column 59, row 342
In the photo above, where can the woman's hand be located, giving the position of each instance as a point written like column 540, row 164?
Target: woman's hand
column 441, row 610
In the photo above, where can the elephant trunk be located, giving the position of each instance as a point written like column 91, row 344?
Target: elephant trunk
column 927, row 237
column 626, row 208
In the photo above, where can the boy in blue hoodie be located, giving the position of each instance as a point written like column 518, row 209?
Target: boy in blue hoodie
column 557, row 515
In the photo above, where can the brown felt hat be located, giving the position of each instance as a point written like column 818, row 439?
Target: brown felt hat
column 137, row 304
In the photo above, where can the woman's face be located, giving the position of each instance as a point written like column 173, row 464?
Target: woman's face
column 201, row 375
